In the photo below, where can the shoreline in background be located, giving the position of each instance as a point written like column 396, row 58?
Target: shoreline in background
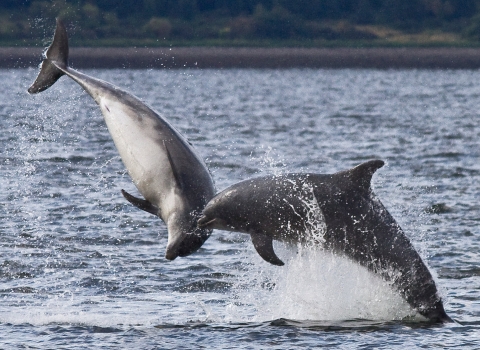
column 224, row 57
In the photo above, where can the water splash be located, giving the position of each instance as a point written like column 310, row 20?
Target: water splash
column 316, row 284
column 315, row 224
column 269, row 160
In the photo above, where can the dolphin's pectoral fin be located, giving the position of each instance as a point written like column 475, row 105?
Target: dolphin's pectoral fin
column 264, row 246
column 141, row 203
column 175, row 172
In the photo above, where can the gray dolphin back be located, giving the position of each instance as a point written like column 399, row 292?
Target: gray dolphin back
column 359, row 226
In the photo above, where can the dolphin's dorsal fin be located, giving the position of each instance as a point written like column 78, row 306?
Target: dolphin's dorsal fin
column 175, row 171
column 264, row 246
column 141, row 203
column 361, row 175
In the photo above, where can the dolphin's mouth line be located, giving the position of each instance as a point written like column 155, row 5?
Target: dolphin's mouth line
column 202, row 222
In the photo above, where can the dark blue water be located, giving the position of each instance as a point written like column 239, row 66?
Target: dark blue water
column 81, row 268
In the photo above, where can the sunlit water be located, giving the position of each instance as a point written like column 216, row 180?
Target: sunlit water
column 81, row 268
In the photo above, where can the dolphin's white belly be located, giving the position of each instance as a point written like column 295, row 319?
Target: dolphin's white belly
column 165, row 169
column 142, row 152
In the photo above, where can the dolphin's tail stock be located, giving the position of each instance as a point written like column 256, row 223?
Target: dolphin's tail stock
column 54, row 62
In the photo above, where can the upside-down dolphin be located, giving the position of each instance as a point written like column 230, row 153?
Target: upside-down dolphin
column 163, row 165
column 338, row 211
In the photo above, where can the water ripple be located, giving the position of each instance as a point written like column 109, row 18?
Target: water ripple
column 82, row 268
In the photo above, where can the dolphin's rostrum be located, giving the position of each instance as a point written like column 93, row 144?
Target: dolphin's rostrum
column 164, row 167
column 354, row 223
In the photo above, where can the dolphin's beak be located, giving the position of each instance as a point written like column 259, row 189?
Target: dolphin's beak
column 183, row 241
column 204, row 221
column 173, row 245
column 185, row 244
column 171, row 252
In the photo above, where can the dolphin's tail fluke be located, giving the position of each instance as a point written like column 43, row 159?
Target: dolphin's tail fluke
column 55, row 61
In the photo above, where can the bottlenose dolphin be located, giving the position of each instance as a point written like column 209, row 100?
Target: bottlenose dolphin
column 163, row 165
column 341, row 213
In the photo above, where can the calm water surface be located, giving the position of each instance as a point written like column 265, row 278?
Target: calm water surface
column 81, row 268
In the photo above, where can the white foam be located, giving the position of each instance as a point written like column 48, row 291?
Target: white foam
column 317, row 285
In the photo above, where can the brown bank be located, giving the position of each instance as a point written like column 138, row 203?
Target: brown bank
column 221, row 57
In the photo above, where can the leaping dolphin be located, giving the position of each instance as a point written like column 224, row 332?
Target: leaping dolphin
column 164, row 167
column 338, row 211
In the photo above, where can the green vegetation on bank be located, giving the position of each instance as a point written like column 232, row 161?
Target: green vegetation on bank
column 309, row 23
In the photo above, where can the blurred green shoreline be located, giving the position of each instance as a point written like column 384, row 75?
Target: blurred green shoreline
column 246, row 33
column 244, row 23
